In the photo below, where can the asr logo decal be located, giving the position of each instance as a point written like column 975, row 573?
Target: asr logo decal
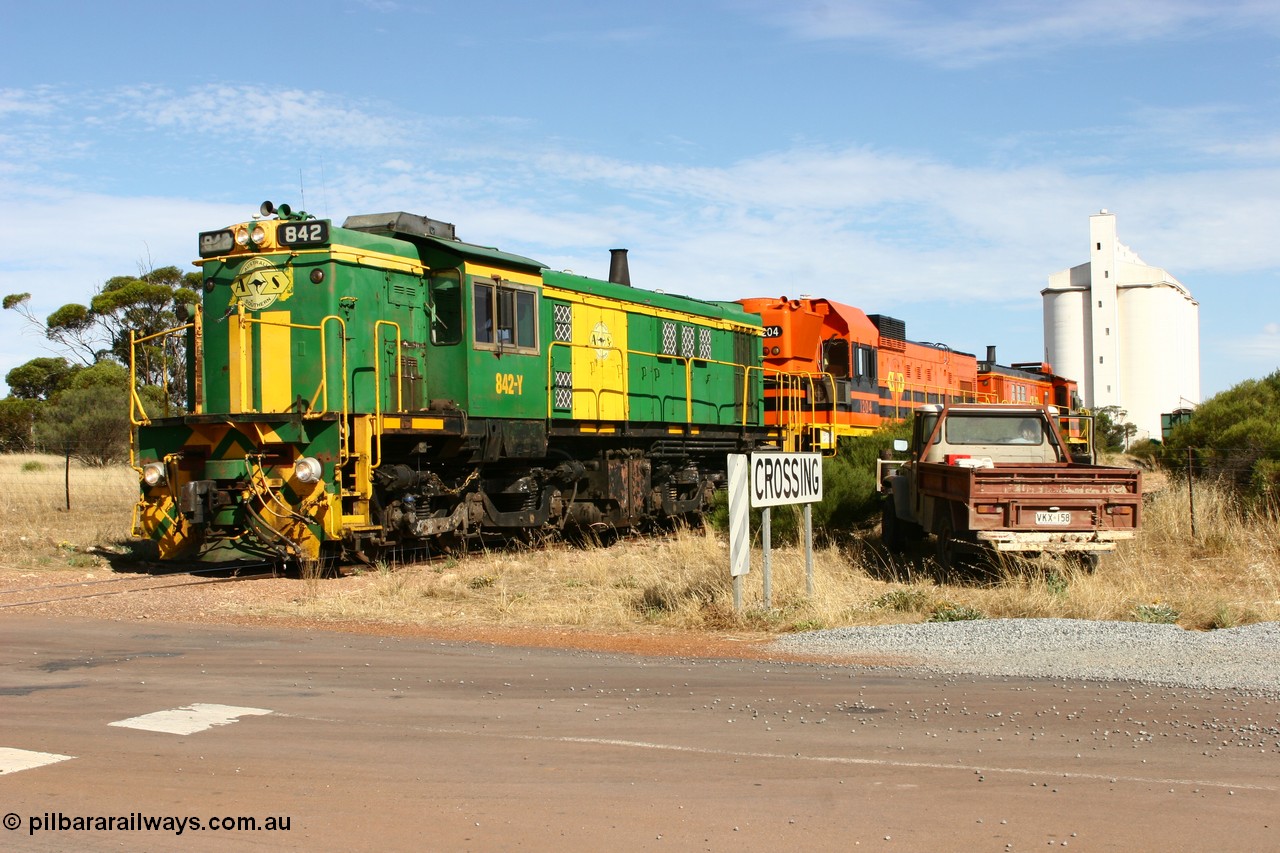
column 260, row 283
column 601, row 337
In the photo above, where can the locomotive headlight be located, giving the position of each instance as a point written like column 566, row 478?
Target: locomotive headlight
column 242, row 236
column 308, row 469
column 153, row 474
column 258, row 235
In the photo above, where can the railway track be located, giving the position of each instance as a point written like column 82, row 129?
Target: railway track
column 48, row 593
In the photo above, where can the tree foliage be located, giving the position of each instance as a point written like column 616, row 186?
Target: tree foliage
column 78, row 401
column 1112, row 432
column 40, row 378
column 90, row 418
column 1235, row 433
column 145, row 305
column 17, row 424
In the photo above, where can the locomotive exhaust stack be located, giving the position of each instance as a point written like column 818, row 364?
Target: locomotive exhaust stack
column 619, row 272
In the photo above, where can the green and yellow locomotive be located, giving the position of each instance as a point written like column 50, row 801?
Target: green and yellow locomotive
column 384, row 385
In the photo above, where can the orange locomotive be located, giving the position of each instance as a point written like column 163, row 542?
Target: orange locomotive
column 1025, row 382
column 840, row 371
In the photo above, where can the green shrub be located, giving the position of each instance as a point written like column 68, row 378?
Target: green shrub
column 1156, row 613
column 912, row 600
column 1234, row 434
column 950, row 611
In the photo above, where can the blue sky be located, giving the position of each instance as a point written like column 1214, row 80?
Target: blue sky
column 933, row 161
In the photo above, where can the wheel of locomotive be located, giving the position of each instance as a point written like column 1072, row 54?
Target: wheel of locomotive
column 893, row 532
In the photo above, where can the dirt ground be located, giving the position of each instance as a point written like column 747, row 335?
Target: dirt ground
column 99, row 594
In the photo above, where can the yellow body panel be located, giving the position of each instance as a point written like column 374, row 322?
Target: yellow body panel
column 599, row 363
column 412, row 423
column 275, row 362
column 239, row 367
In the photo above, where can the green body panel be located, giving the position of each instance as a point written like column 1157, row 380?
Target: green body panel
column 683, row 364
column 504, row 381
column 371, row 336
column 335, row 317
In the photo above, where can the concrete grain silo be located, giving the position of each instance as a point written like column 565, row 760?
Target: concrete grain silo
column 1129, row 333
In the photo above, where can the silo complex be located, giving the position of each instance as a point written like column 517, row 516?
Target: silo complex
column 1129, row 333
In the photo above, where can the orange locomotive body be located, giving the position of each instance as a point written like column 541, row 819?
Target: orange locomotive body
column 1025, row 382
column 845, row 372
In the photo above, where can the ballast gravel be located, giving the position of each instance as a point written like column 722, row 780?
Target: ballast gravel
column 1244, row 658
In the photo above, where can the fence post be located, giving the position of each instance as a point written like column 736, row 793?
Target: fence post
column 1191, row 495
column 67, row 476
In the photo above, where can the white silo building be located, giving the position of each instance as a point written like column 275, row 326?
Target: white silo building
column 1127, row 332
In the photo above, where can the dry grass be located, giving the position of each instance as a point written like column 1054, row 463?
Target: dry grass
column 1228, row 575
column 36, row 529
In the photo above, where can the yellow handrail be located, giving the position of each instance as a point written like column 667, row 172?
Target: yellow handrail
column 689, row 363
column 377, row 387
column 624, row 393
column 135, row 401
column 321, row 394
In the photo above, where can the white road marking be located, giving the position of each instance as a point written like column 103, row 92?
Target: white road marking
column 189, row 719
column 12, row 760
column 802, row 757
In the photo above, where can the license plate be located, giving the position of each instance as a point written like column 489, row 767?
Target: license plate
column 1053, row 517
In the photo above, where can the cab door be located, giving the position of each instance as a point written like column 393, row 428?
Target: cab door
column 507, row 376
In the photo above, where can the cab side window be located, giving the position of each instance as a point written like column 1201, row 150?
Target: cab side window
column 505, row 315
column 445, row 308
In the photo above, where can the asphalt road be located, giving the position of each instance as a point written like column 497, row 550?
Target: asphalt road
column 364, row 743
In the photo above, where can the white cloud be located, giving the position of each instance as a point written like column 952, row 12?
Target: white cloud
column 971, row 33
column 1262, row 347
column 283, row 116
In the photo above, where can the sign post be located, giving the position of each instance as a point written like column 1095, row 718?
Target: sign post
column 739, row 524
column 775, row 479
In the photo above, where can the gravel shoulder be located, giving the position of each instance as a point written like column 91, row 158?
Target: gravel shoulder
column 1246, row 658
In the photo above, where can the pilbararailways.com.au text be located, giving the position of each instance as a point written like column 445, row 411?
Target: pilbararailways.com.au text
column 139, row 822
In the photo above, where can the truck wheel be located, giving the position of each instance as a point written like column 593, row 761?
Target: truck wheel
column 1087, row 561
column 947, row 553
column 892, row 530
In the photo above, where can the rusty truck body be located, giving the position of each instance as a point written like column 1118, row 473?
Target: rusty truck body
column 1002, row 478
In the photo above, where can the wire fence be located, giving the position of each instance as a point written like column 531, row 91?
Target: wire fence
column 32, row 482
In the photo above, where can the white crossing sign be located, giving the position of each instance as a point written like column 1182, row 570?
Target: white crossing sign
column 778, row 479
column 775, row 479
column 739, row 517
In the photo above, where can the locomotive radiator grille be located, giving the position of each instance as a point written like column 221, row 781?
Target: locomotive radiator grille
column 563, row 387
column 563, row 319
column 668, row 338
